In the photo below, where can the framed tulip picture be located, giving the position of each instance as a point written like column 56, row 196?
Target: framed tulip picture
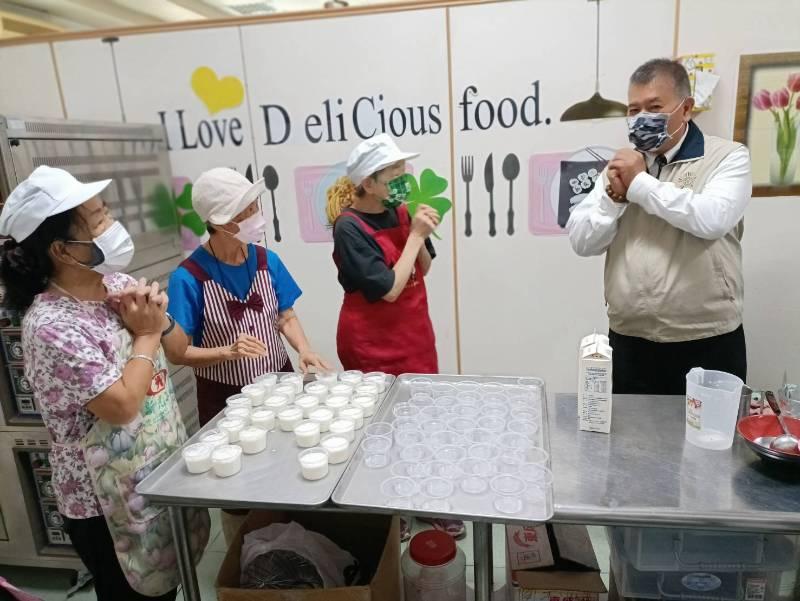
column 768, row 120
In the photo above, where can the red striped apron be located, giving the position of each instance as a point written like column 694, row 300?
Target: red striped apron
column 217, row 382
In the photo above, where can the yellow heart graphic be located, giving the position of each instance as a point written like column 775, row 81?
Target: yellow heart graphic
column 217, row 94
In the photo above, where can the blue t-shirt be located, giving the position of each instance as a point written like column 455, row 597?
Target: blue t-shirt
column 186, row 303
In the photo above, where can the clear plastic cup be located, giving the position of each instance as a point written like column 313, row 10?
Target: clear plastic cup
column 429, row 426
column 379, row 429
column 376, row 451
column 536, row 455
column 527, row 414
column 450, row 453
column 421, row 400
column 492, row 423
column 405, row 423
column 495, row 410
column 406, row 438
column 477, row 467
column 460, row 425
column 433, row 412
column 510, row 461
column 378, row 378
column 528, row 429
column 399, row 487
column 436, row 488
column 535, row 473
column 491, row 388
column 470, row 412
column 416, row 452
column 444, row 469
column 495, row 397
column 514, row 440
column 479, row 435
column 444, row 438
column 327, row 378
column 411, row 469
column 420, row 385
column 447, row 402
column 440, row 389
column 508, row 490
column 469, row 398
column 484, row 450
column 535, row 494
column 405, row 410
column 473, row 485
column 467, row 386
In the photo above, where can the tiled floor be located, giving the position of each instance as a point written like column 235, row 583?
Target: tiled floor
column 52, row 585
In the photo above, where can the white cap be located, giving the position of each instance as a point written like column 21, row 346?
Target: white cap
column 372, row 155
column 220, row 194
column 47, row 191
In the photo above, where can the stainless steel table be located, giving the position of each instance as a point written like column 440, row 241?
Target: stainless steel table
column 642, row 474
column 645, row 473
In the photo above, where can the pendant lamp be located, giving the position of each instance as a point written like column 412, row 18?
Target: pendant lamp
column 596, row 107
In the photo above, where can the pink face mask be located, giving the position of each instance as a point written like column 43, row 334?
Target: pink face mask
column 251, row 230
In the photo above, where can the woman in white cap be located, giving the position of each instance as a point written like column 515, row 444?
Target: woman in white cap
column 92, row 339
column 234, row 297
column 383, row 256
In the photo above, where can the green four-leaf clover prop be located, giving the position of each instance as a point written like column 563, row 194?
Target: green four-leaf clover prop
column 429, row 192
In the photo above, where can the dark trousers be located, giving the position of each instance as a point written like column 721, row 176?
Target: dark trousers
column 95, row 547
column 644, row 367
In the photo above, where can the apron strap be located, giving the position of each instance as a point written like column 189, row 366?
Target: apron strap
column 366, row 227
column 193, row 267
column 261, row 257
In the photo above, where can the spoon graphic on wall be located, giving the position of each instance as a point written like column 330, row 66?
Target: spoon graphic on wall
column 510, row 172
column 271, row 182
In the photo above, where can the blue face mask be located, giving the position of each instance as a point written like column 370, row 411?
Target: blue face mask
column 648, row 131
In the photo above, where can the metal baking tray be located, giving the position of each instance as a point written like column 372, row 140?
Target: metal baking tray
column 360, row 487
column 270, row 479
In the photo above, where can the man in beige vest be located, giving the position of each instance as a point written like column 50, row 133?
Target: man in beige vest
column 669, row 217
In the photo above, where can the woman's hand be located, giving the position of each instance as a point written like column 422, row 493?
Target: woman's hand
column 143, row 309
column 309, row 359
column 245, row 347
column 425, row 221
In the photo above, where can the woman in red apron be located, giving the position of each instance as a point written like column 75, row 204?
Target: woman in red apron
column 91, row 340
column 383, row 256
column 234, row 299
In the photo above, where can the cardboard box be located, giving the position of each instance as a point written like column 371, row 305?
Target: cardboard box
column 594, row 388
column 528, row 547
column 372, row 539
column 574, row 576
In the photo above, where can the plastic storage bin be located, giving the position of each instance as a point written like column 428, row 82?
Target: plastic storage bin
column 690, row 585
column 669, row 549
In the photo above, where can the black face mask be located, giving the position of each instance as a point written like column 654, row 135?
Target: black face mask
column 97, row 255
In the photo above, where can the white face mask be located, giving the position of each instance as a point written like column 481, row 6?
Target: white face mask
column 251, row 230
column 112, row 251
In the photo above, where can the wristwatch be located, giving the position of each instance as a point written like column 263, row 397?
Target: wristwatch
column 170, row 327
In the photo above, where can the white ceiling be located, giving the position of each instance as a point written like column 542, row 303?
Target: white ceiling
column 81, row 15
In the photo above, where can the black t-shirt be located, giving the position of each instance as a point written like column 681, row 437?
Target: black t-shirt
column 361, row 263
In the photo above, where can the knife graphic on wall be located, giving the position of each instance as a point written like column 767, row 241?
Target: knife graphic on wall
column 488, row 179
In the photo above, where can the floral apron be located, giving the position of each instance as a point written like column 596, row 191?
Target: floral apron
column 118, row 458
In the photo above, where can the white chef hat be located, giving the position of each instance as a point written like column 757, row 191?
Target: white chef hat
column 48, row 191
column 220, row 194
column 372, row 155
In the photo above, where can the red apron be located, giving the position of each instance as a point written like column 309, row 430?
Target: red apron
column 224, row 318
column 394, row 338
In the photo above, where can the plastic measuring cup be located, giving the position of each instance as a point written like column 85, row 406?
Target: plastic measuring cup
column 712, row 406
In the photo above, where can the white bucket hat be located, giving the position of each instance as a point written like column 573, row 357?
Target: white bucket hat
column 47, row 191
column 220, row 194
column 372, row 155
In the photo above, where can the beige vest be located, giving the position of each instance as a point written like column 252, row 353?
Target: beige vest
column 666, row 285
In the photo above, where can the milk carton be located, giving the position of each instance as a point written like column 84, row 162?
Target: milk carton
column 594, row 385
